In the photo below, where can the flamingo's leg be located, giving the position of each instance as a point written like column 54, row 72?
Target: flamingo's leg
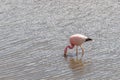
column 82, row 51
column 76, row 50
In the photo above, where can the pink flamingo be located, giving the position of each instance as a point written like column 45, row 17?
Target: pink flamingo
column 77, row 40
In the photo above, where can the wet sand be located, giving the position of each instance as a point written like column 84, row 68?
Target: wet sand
column 34, row 33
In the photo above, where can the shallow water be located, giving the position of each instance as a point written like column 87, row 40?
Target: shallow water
column 34, row 33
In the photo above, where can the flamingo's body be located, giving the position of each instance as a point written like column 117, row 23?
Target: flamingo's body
column 76, row 40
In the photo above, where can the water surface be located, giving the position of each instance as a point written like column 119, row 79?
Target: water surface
column 34, row 33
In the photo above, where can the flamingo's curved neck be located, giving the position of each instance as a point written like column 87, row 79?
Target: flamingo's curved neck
column 69, row 46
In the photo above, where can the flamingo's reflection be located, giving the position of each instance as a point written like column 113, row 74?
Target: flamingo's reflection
column 78, row 65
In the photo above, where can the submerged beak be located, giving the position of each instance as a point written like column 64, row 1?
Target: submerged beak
column 88, row 39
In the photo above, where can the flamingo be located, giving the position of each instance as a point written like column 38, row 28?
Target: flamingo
column 77, row 40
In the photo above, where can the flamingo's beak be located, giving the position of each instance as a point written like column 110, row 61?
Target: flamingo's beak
column 88, row 39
